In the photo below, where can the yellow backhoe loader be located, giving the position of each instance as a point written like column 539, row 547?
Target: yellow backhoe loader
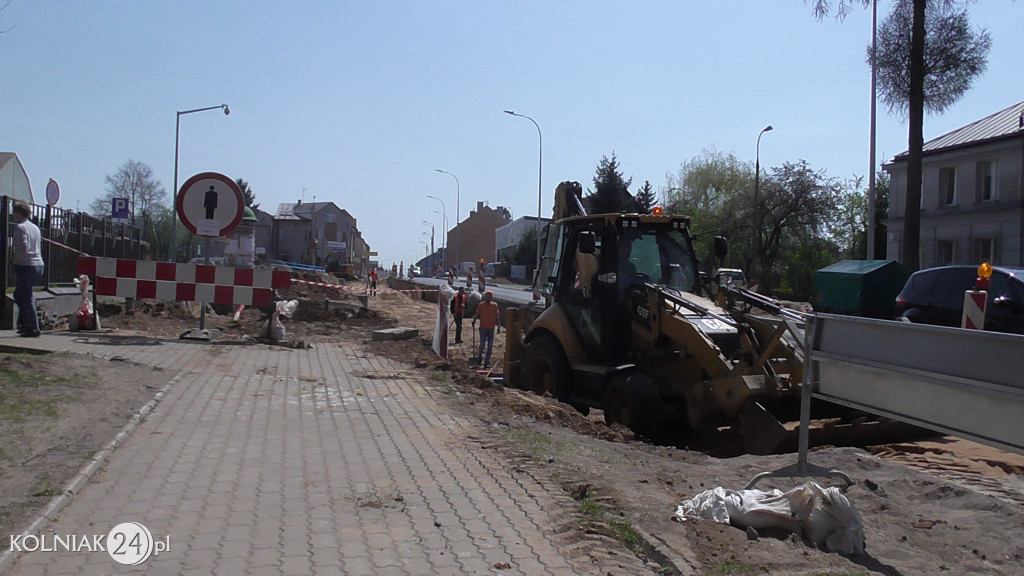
column 624, row 323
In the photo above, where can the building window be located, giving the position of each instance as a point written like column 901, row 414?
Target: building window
column 946, row 253
column 947, row 186
column 330, row 218
column 284, row 235
column 985, row 250
column 987, row 181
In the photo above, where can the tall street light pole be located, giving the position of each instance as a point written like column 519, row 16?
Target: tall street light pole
column 174, row 193
column 425, row 223
column 444, row 225
column 458, row 192
column 444, row 221
column 757, row 204
column 871, row 159
column 540, row 171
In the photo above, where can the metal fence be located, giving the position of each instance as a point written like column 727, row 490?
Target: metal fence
column 73, row 232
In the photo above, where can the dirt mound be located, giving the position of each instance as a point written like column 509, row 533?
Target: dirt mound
column 338, row 288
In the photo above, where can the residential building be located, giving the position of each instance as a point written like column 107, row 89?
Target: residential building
column 316, row 233
column 972, row 208
column 13, row 178
column 473, row 238
column 508, row 236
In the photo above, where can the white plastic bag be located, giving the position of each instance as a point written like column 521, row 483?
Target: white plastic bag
column 275, row 328
column 822, row 515
column 84, row 317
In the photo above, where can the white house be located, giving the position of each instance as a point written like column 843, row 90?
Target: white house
column 972, row 208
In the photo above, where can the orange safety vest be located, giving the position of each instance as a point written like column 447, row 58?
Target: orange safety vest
column 459, row 304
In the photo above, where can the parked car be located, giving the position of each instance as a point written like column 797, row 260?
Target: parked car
column 732, row 276
column 936, row 296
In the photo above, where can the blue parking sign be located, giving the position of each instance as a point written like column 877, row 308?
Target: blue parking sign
column 119, row 208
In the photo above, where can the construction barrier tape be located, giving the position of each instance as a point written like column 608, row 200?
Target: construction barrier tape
column 55, row 243
column 362, row 290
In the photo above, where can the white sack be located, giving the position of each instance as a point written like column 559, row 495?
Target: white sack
column 822, row 515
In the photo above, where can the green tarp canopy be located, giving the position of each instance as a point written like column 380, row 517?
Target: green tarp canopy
column 859, row 287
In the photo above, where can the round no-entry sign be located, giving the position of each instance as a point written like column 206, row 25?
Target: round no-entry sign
column 52, row 192
column 210, row 204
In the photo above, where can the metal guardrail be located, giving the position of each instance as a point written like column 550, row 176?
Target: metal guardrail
column 965, row 383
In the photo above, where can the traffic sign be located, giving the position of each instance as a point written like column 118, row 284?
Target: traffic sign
column 210, row 204
column 52, row 192
column 119, row 208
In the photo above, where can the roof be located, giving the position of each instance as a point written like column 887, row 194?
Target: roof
column 858, row 266
column 304, row 210
column 1006, row 123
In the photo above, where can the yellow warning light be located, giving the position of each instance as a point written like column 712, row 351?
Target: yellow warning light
column 985, row 270
column 657, row 211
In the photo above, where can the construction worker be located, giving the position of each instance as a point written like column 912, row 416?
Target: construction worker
column 487, row 313
column 469, row 278
column 458, row 306
column 373, row 282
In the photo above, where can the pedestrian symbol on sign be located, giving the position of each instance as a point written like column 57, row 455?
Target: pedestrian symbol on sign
column 210, row 202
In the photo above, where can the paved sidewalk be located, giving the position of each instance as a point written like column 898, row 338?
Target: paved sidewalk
column 326, row 461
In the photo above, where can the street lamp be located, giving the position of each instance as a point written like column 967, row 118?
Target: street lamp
column 425, row 223
column 757, row 205
column 458, row 192
column 174, row 193
column 443, row 229
column 540, row 170
column 444, row 222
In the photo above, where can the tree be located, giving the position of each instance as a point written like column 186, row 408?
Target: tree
column 611, row 190
column 525, row 251
column 954, row 56
column 504, row 212
column 881, row 213
column 135, row 181
column 714, row 190
column 915, row 95
column 646, row 198
column 796, row 203
column 248, row 196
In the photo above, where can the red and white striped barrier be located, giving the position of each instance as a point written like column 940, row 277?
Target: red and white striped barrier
column 183, row 282
column 974, row 309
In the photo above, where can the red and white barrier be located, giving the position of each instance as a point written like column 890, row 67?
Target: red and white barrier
column 183, row 282
column 974, row 310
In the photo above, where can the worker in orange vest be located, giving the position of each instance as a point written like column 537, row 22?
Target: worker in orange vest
column 487, row 313
column 458, row 311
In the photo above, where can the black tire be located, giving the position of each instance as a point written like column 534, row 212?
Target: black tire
column 545, row 368
column 634, row 402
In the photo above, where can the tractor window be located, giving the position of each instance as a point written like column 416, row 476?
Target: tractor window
column 659, row 256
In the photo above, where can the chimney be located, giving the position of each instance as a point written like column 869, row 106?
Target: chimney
column 298, row 202
column 479, row 206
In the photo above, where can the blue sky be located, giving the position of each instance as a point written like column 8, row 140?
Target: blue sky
column 359, row 102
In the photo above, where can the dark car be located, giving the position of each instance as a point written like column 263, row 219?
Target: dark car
column 936, row 296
